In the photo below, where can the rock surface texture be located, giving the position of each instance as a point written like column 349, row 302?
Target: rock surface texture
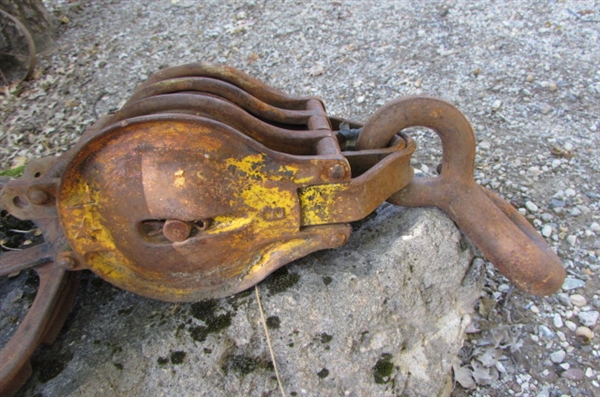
column 383, row 316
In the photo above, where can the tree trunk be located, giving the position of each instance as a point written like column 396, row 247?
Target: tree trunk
column 36, row 18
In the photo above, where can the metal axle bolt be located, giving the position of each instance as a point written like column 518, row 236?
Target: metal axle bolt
column 176, row 230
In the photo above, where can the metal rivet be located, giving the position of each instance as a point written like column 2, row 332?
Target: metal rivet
column 337, row 240
column 66, row 262
column 176, row 230
column 337, row 171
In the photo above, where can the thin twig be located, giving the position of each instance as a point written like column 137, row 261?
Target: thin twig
column 4, row 78
column 262, row 316
column 580, row 18
column 10, row 249
column 22, row 231
column 96, row 103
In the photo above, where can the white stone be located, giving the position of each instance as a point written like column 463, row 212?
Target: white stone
column 570, row 192
column 531, row 206
column 545, row 332
column 590, row 373
column 589, row 319
column 571, row 325
column 547, row 231
column 578, row 300
column 558, row 356
column 572, row 283
column 557, row 321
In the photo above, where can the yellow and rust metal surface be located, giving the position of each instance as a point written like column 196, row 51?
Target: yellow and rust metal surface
column 207, row 180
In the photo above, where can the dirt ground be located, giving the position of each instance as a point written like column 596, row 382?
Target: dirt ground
column 525, row 74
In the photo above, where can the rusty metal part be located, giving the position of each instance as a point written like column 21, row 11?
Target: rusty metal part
column 497, row 229
column 53, row 301
column 249, row 199
column 16, row 67
column 207, row 180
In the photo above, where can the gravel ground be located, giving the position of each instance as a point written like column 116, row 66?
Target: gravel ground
column 525, row 73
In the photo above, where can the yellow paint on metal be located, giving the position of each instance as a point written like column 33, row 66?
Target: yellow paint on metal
column 179, row 180
column 88, row 234
column 86, row 231
column 317, row 201
column 267, row 257
column 254, row 167
column 264, row 207
column 250, row 165
column 263, row 204
column 227, row 223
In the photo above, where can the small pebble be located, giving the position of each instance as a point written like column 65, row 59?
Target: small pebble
column 589, row 373
column 545, row 332
column 531, row 206
column 573, row 374
column 563, row 298
column 496, row 105
column 558, row 356
column 545, row 108
column 578, row 300
column 534, row 171
column 568, row 146
column 575, row 212
column 588, row 319
column 571, row 325
column 547, row 231
column 572, row 240
column 584, row 210
column 595, row 227
column 572, row 283
column 570, row 192
column 557, row 321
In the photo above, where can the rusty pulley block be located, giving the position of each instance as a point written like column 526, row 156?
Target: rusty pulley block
column 207, row 180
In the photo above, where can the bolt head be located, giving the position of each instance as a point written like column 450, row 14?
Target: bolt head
column 176, row 230
column 67, row 262
column 337, row 171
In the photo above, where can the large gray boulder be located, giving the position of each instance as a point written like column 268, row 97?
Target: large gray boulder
column 383, row 316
